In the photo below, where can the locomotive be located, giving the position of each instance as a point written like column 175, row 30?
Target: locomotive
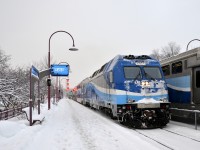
column 131, row 89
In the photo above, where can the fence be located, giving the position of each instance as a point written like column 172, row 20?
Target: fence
column 192, row 111
column 10, row 113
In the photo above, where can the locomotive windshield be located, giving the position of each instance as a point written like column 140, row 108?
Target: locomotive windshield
column 132, row 72
column 152, row 73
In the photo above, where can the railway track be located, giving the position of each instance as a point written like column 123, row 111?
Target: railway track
column 165, row 145
column 182, row 135
column 153, row 134
column 169, row 139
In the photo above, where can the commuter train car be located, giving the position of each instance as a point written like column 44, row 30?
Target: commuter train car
column 131, row 89
column 182, row 73
column 80, row 92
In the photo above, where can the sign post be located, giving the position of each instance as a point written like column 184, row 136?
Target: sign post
column 34, row 73
column 59, row 70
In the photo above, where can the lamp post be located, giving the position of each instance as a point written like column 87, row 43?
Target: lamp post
column 59, row 86
column 58, row 83
column 71, row 49
column 190, row 42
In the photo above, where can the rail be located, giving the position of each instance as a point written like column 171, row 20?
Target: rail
column 187, row 110
column 10, row 113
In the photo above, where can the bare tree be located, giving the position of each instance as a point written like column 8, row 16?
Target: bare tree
column 170, row 50
column 156, row 54
column 43, row 63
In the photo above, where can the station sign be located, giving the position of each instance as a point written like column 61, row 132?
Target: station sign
column 59, row 70
column 34, row 72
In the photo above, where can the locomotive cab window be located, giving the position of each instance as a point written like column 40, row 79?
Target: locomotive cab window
column 166, row 70
column 132, row 73
column 177, row 67
column 152, row 73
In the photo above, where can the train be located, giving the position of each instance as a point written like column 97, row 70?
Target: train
column 131, row 89
column 182, row 74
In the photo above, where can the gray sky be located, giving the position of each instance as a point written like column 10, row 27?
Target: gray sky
column 101, row 29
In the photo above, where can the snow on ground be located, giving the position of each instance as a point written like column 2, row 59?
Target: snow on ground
column 72, row 126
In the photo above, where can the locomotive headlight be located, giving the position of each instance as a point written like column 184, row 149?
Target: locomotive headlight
column 130, row 101
column 145, row 84
column 164, row 99
column 120, row 111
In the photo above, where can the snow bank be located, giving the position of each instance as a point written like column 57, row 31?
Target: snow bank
column 147, row 101
column 72, row 126
column 9, row 128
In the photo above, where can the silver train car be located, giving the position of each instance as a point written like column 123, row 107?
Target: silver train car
column 182, row 74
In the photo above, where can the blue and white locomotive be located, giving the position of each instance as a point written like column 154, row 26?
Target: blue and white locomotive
column 131, row 89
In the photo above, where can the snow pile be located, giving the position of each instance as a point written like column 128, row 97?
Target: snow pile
column 9, row 128
column 147, row 101
column 72, row 126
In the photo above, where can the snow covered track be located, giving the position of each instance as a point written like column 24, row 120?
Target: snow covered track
column 171, row 140
column 168, row 147
column 182, row 135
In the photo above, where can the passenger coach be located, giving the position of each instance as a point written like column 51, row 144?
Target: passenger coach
column 182, row 73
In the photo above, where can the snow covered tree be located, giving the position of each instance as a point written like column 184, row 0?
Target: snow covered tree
column 14, row 83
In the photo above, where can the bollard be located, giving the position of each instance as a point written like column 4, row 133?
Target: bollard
column 38, row 106
column 30, row 111
column 195, row 114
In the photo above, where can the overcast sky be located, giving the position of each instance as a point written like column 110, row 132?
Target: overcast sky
column 101, row 29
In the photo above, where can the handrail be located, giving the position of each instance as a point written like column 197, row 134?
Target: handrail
column 187, row 110
column 10, row 113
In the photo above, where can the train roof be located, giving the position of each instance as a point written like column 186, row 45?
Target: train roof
column 109, row 65
column 190, row 53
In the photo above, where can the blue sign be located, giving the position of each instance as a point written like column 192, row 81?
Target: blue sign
column 34, row 72
column 59, row 70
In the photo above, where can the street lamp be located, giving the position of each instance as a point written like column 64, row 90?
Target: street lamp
column 71, row 49
column 190, row 42
column 58, row 85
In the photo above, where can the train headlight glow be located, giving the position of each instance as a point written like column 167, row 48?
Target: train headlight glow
column 130, row 101
column 164, row 99
column 145, row 84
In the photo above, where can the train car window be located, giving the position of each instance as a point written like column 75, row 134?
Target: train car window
column 102, row 68
column 152, row 73
column 93, row 74
column 198, row 79
column 132, row 72
column 166, row 70
column 177, row 67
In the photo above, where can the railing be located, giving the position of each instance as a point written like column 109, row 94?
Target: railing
column 193, row 111
column 10, row 113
